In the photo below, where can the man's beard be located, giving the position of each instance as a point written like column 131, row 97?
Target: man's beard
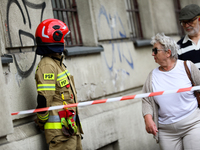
column 194, row 30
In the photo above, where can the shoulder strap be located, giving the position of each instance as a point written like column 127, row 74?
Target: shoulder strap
column 188, row 73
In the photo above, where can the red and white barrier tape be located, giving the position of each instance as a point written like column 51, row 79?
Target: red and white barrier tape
column 194, row 88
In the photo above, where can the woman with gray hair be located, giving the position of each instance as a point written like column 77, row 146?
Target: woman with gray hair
column 173, row 119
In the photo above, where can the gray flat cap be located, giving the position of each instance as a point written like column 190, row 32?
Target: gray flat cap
column 189, row 12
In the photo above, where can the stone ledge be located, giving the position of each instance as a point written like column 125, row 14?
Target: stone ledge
column 77, row 50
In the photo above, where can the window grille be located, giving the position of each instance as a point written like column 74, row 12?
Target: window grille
column 134, row 19
column 177, row 11
column 66, row 11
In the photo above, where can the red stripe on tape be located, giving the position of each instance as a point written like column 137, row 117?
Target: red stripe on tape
column 41, row 109
column 99, row 101
column 156, row 93
column 15, row 113
column 127, row 97
column 71, row 105
column 184, row 89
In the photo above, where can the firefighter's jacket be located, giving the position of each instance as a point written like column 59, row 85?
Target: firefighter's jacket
column 56, row 84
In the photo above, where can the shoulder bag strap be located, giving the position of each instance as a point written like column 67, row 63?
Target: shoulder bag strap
column 188, row 73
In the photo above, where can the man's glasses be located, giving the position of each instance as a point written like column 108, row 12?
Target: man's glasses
column 189, row 22
column 155, row 50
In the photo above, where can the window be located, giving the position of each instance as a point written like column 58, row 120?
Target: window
column 177, row 11
column 134, row 19
column 66, row 11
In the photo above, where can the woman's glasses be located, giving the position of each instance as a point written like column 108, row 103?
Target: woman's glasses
column 155, row 50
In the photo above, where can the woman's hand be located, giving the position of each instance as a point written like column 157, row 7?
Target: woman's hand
column 150, row 125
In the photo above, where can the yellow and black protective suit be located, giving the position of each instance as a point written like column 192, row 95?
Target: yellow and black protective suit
column 54, row 85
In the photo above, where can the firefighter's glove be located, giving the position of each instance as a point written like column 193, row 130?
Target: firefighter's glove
column 65, row 128
column 71, row 123
column 62, row 115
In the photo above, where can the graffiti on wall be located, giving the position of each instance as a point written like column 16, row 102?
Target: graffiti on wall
column 26, row 19
column 116, row 47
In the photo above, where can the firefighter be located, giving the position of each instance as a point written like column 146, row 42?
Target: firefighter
column 55, row 86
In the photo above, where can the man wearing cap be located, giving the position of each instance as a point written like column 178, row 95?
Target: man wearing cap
column 190, row 44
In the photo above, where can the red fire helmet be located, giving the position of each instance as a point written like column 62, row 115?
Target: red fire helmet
column 51, row 32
